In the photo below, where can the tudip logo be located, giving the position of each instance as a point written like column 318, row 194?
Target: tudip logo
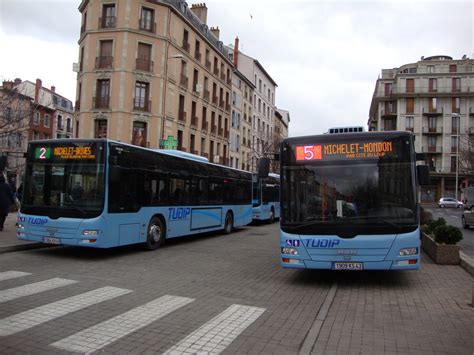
column 33, row 220
column 322, row 243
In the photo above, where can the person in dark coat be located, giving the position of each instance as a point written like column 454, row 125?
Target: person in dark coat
column 6, row 200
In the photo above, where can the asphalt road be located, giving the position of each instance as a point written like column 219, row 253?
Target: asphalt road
column 224, row 293
column 453, row 217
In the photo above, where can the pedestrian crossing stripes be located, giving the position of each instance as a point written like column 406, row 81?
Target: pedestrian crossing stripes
column 7, row 275
column 42, row 314
column 118, row 327
column 31, row 289
column 214, row 336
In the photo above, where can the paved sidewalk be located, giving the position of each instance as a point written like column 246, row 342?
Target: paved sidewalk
column 9, row 241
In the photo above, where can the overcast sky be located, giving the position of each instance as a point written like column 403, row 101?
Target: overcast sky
column 325, row 56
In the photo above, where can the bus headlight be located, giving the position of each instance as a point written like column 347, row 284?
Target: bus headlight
column 289, row 251
column 90, row 232
column 408, row 251
column 20, row 226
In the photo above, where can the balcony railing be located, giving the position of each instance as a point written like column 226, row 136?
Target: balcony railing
column 216, row 71
column 434, row 130
column 140, row 104
column 227, row 107
column 182, row 116
column 215, row 100
column 208, row 64
column 144, row 64
column 69, row 129
column 226, row 134
column 229, row 81
column 107, row 22
column 147, row 25
column 432, row 149
column 197, row 55
column 221, row 131
column 392, row 112
column 101, row 102
column 222, row 76
column 205, row 125
column 432, row 111
column 221, row 103
column 206, row 94
column 214, row 129
column 194, row 121
column 104, row 62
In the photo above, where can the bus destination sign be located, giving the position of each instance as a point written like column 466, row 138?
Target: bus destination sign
column 74, row 152
column 343, row 151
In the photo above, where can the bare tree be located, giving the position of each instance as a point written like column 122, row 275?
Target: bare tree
column 466, row 157
column 18, row 111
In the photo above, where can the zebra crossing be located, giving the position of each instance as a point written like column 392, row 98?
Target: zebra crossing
column 212, row 337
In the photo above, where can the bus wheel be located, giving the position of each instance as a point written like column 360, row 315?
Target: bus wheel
column 156, row 234
column 229, row 223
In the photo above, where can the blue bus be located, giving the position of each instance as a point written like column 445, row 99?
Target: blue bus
column 101, row 193
column 350, row 201
column 266, row 198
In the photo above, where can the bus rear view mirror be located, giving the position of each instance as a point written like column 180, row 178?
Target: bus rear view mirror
column 423, row 173
column 263, row 167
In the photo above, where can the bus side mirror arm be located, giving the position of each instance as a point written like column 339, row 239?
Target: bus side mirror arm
column 423, row 174
column 263, row 167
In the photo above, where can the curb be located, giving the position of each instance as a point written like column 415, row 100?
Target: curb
column 467, row 263
column 21, row 247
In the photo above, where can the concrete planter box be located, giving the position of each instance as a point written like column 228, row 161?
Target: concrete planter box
column 440, row 253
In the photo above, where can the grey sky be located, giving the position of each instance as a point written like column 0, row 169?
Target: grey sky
column 324, row 55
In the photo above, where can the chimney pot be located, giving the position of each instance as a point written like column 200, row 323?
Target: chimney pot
column 17, row 81
column 53, row 88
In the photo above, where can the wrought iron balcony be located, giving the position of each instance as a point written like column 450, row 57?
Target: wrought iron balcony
column 107, row 22
column 144, row 64
column 104, row 62
column 101, row 102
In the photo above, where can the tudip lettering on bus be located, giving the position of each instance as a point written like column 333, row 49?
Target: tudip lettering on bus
column 179, row 213
column 33, row 220
column 322, row 243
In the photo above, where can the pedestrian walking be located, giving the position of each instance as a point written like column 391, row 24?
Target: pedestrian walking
column 6, row 200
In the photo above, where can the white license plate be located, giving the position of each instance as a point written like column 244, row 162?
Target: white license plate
column 348, row 266
column 50, row 240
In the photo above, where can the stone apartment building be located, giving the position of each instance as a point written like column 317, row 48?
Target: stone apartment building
column 263, row 104
column 152, row 73
column 241, row 125
column 433, row 98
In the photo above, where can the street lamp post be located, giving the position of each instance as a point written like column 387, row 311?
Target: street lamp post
column 458, row 124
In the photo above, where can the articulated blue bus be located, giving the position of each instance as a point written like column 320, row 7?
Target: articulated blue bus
column 101, row 193
column 266, row 198
column 350, row 201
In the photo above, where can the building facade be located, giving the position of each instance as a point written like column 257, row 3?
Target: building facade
column 28, row 112
column 241, row 122
column 434, row 99
column 263, row 104
column 153, row 74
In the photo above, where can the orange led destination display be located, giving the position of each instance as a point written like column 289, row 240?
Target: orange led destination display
column 343, row 150
column 73, row 153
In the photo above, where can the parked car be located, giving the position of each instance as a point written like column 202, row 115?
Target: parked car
column 449, row 202
column 468, row 217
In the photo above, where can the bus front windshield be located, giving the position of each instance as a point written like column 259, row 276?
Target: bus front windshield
column 349, row 198
column 64, row 189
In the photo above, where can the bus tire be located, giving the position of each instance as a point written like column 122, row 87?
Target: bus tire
column 271, row 219
column 156, row 234
column 229, row 223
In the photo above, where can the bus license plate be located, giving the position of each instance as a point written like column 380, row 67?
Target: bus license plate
column 348, row 266
column 50, row 240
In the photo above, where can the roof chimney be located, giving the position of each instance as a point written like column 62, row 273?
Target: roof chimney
column 53, row 88
column 200, row 10
column 236, row 52
column 7, row 85
column 17, row 81
column 215, row 31
column 38, row 86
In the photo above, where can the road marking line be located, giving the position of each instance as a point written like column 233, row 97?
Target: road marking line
column 7, row 275
column 313, row 333
column 31, row 289
column 42, row 314
column 215, row 335
column 115, row 328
